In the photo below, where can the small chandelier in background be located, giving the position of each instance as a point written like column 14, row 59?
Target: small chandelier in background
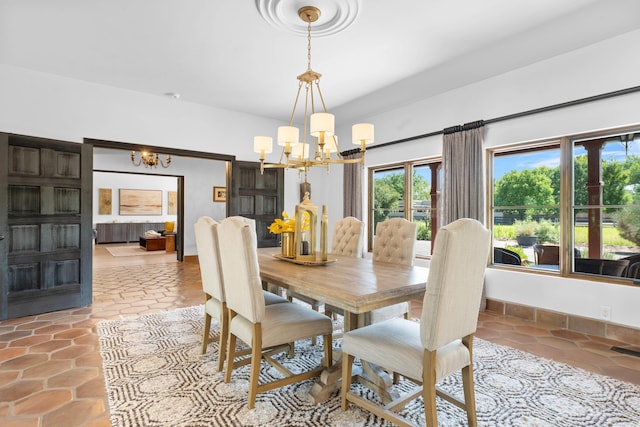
column 301, row 155
column 150, row 160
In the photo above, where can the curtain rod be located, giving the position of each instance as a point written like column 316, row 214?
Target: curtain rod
column 521, row 114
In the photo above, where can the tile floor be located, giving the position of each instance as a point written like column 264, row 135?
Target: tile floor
column 51, row 370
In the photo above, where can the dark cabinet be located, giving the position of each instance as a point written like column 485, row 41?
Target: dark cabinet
column 124, row 232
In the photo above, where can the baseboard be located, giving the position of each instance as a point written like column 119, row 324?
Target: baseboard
column 570, row 322
column 191, row 259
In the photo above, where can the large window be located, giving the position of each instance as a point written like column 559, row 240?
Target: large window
column 407, row 190
column 526, row 205
column 570, row 206
column 606, row 205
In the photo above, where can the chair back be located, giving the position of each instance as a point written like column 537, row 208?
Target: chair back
column 633, row 271
column 547, row 254
column 209, row 257
column 454, row 286
column 240, row 268
column 606, row 267
column 395, row 241
column 348, row 237
column 505, row 256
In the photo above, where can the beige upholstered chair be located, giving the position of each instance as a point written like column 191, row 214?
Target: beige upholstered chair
column 441, row 343
column 261, row 326
column 348, row 237
column 395, row 242
column 210, row 272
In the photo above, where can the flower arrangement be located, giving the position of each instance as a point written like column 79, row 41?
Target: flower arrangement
column 287, row 225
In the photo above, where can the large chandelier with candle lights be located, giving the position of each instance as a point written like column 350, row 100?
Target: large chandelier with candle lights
column 323, row 150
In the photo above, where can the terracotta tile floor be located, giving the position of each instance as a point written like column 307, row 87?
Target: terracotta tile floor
column 51, row 370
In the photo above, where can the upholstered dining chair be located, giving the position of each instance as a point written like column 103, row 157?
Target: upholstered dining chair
column 395, row 242
column 441, row 344
column 348, row 237
column 262, row 327
column 211, row 276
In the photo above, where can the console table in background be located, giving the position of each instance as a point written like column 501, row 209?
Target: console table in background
column 124, row 232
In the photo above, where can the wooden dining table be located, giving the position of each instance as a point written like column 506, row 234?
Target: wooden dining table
column 355, row 285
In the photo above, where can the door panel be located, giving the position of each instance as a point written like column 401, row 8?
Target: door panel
column 258, row 196
column 45, row 258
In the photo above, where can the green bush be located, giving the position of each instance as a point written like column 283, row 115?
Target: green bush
column 503, row 232
column 548, row 232
column 525, row 227
column 628, row 224
column 424, row 230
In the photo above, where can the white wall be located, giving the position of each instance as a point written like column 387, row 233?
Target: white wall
column 118, row 181
column 585, row 72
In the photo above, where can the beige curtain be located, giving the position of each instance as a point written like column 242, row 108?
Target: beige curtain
column 352, row 182
column 463, row 193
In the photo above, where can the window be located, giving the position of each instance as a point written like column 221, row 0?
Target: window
column 526, row 206
column 569, row 206
column 606, row 205
column 407, row 190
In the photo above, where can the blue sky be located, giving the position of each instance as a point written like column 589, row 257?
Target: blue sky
column 551, row 158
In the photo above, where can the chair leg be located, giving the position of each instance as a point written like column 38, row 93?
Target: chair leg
column 396, row 378
column 256, row 358
column 205, row 332
column 224, row 335
column 467, row 384
column 231, row 350
column 328, row 351
column 347, row 365
column 429, row 388
column 314, row 340
column 469, row 395
column 231, row 354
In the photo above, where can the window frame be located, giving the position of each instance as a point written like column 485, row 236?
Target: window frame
column 407, row 167
column 567, row 204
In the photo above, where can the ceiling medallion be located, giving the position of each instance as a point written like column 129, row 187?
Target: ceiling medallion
column 337, row 15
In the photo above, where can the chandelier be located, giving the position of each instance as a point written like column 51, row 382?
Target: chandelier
column 324, row 149
column 150, row 160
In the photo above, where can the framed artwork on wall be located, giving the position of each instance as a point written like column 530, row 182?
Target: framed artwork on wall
column 140, row 202
column 172, row 202
column 219, row 194
column 104, row 201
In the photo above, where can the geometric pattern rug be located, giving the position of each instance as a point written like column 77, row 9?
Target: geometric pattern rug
column 156, row 376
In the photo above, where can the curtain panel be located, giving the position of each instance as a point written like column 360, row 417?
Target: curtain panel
column 352, row 182
column 463, row 195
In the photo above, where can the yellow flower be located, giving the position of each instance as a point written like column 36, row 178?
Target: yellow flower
column 287, row 225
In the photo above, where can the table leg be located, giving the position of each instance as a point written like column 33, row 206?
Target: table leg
column 370, row 375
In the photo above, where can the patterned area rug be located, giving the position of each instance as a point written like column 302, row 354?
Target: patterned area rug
column 131, row 251
column 156, row 376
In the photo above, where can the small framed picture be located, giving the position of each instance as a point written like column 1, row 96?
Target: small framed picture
column 219, row 194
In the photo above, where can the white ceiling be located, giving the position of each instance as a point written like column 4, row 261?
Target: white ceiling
column 223, row 53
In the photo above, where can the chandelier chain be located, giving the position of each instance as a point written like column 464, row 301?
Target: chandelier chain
column 309, row 46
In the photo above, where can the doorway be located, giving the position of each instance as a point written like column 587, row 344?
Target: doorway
column 118, row 228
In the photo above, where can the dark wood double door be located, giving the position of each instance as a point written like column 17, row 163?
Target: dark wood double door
column 45, row 225
column 259, row 196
